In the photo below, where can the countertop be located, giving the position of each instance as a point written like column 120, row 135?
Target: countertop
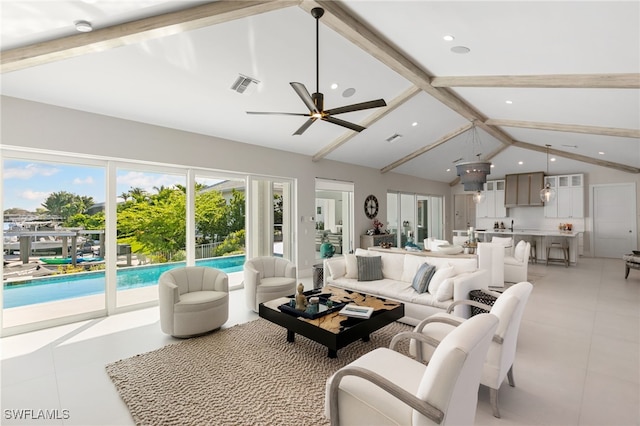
column 532, row 232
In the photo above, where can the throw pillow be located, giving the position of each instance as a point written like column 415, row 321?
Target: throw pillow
column 518, row 253
column 351, row 265
column 437, row 279
column 336, row 269
column 369, row 268
column 445, row 290
column 421, row 280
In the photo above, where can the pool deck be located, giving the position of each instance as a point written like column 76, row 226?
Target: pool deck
column 22, row 315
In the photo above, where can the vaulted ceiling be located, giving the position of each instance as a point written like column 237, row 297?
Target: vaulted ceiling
column 527, row 74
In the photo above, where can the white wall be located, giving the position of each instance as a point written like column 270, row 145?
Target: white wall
column 44, row 127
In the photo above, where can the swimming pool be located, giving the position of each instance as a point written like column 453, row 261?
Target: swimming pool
column 62, row 287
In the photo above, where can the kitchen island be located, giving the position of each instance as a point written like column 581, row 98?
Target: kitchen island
column 540, row 236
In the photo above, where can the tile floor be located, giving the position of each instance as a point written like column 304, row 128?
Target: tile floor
column 578, row 360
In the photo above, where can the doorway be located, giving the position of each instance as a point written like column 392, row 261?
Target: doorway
column 464, row 211
column 613, row 219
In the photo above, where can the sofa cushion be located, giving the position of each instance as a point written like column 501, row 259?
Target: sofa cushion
column 336, row 269
column 410, row 267
column 422, row 278
column 369, row 268
column 518, row 253
column 445, row 290
column 392, row 264
column 441, row 274
column 351, row 264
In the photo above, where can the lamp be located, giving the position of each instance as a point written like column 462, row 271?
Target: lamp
column 547, row 193
column 473, row 174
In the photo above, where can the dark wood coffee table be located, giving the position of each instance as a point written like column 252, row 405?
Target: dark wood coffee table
column 333, row 330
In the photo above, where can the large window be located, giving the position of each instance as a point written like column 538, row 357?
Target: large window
column 53, row 239
column 88, row 237
column 151, row 231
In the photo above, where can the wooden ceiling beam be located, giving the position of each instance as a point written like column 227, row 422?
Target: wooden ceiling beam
column 426, row 149
column 135, row 32
column 366, row 38
column 577, row 81
column 375, row 116
column 571, row 128
column 578, row 157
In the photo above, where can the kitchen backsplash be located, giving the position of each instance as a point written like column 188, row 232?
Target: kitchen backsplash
column 530, row 218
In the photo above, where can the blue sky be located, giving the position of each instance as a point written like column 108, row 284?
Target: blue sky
column 27, row 184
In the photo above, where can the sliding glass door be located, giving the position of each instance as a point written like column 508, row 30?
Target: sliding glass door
column 414, row 217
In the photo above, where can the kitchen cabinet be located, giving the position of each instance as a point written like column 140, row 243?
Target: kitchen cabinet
column 523, row 189
column 569, row 200
column 493, row 203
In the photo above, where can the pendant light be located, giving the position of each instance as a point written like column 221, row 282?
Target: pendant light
column 478, row 197
column 473, row 174
column 547, row 194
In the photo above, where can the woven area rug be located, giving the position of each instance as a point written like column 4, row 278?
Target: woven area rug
column 244, row 375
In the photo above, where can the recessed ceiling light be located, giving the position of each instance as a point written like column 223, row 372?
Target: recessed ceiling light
column 493, row 165
column 83, row 26
column 508, row 102
column 460, row 49
column 448, row 170
column 552, row 159
column 448, row 37
column 414, row 124
column 348, row 92
column 601, row 152
column 334, row 86
column 521, row 162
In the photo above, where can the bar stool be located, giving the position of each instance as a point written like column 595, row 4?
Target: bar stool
column 560, row 243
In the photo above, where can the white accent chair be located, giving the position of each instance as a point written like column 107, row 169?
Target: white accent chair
column 267, row 278
column 506, row 242
column 508, row 307
column 386, row 387
column 516, row 267
column 491, row 259
column 193, row 300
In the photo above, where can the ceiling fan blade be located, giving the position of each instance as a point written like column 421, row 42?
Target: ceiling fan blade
column 343, row 123
column 357, row 107
column 302, row 91
column 305, row 126
column 277, row 113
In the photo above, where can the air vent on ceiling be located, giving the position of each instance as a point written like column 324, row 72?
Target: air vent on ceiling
column 393, row 137
column 243, row 83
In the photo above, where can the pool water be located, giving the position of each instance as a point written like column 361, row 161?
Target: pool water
column 62, row 287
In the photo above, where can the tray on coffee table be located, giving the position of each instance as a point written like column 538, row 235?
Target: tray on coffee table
column 323, row 309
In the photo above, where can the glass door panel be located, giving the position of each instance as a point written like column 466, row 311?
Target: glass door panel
column 53, row 240
column 151, row 231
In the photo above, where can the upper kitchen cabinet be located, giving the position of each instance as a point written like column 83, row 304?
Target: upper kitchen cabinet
column 569, row 200
column 493, row 203
column 523, row 189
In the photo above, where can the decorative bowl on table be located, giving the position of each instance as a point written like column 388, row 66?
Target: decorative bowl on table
column 450, row 248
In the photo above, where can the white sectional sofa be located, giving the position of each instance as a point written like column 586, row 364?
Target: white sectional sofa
column 399, row 268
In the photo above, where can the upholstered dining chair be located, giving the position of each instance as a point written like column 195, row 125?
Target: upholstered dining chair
column 508, row 308
column 386, row 387
column 193, row 300
column 516, row 267
column 267, row 278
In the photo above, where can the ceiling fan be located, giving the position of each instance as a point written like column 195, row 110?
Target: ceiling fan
column 315, row 102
